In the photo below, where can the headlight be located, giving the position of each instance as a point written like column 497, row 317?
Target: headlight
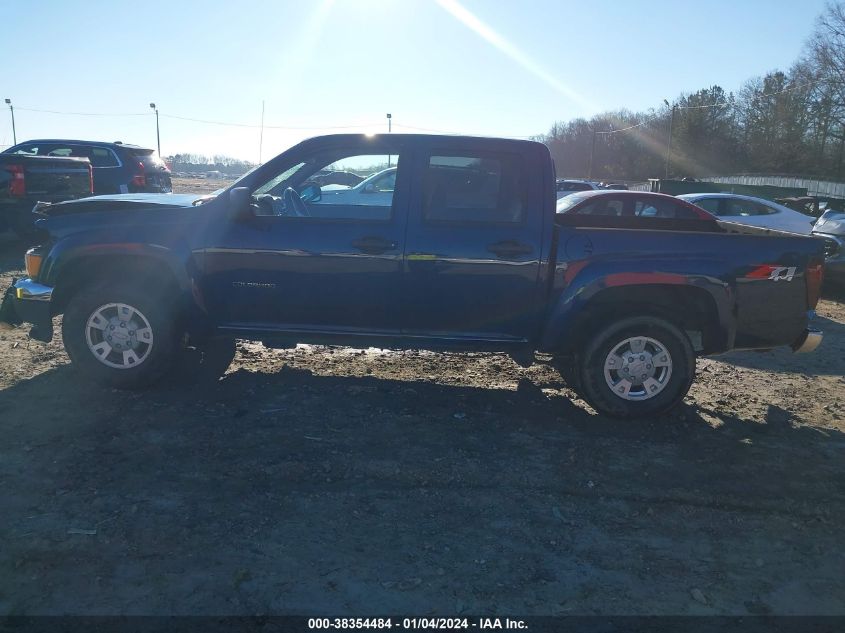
column 33, row 263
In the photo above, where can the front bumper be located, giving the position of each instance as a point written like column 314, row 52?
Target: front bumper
column 26, row 301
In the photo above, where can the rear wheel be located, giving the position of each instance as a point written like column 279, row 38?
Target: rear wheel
column 122, row 336
column 636, row 367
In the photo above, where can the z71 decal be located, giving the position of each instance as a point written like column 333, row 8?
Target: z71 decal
column 782, row 273
column 772, row 272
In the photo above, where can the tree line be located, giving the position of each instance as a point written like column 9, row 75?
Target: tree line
column 785, row 122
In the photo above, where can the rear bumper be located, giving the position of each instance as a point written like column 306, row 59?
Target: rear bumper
column 834, row 269
column 28, row 302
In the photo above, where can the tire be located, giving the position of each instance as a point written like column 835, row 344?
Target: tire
column 651, row 369
column 97, row 313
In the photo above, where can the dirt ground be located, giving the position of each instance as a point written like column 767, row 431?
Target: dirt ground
column 340, row 481
column 199, row 185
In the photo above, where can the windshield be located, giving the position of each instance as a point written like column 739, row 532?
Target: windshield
column 288, row 174
column 564, row 204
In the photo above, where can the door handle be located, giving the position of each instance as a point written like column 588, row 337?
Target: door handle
column 373, row 245
column 510, row 248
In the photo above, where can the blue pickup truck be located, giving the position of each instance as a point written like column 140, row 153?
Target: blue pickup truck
column 466, row 249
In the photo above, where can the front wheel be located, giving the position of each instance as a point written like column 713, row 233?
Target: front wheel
column 636, row 367
column 123, row 337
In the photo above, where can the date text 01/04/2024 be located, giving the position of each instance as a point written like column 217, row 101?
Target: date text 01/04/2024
column 417, row 623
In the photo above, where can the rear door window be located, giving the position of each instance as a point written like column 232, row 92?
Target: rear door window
column 63, row 150
column 746, row 208
column 604, row 206
column 29, row 150
column 477, row 189
column 711, row 205
column 102, row 157
column 662, row 208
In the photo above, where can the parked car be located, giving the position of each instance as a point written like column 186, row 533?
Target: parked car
column 372, row 190
column 752, row 211
column 631, row 204
column 342, row 178
column 831, row 228
column 118, row 167
column 566, row 187
column 27, row 180
column 468, row 253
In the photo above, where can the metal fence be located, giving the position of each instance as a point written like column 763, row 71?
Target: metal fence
column 814, row 187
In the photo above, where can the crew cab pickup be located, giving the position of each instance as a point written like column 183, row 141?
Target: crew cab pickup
column 468, row 252
column 26, row 180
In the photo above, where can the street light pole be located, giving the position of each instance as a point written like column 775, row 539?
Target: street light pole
column 12, row 110
column 592, row 151
column 389, row 130
column 158, row 135
column 669, row 142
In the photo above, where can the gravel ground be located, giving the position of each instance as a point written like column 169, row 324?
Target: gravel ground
column 340, row 481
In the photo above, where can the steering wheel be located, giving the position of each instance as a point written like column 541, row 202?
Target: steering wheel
column 293, row 204
column 266, row 204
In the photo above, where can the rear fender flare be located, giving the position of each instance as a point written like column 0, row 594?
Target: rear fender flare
column 583, row 282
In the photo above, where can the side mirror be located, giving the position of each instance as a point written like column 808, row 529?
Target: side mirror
column 311, row 193
column 371, row 188
column 239, row 202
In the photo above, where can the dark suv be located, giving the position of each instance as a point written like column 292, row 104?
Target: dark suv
column 118, row 167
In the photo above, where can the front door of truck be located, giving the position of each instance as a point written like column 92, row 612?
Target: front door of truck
column 308, row 260
column 472, row 256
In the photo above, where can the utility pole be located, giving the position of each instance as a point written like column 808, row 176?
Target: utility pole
column 12, row 110
column 158, row 135
column 261, row 137
column 592, row 152
column 669, row 143
column 389, row 130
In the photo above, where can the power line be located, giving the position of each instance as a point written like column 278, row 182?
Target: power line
column 372, row 125
column 273, row 127
column 365, row 125
column 83, row 113
column 720, row 104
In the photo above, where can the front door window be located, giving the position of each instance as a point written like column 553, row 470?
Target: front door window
column 313, row 189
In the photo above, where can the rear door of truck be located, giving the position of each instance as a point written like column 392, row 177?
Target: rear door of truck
column 473, row 247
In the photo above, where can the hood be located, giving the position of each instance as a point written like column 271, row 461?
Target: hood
column 124, row 202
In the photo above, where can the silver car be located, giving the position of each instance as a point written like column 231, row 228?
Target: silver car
column 831, row 228
column 752, row 211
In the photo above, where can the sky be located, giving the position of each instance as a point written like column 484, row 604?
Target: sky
column 482, row 67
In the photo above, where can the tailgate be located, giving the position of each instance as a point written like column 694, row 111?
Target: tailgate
column 777, row 288
column 57, row 178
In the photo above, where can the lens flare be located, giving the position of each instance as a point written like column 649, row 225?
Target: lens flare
column 485, row 32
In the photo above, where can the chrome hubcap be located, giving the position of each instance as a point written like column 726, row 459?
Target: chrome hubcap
column 638, row 368
column 119, row 336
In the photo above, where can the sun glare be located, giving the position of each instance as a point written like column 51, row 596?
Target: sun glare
column 484, row 31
